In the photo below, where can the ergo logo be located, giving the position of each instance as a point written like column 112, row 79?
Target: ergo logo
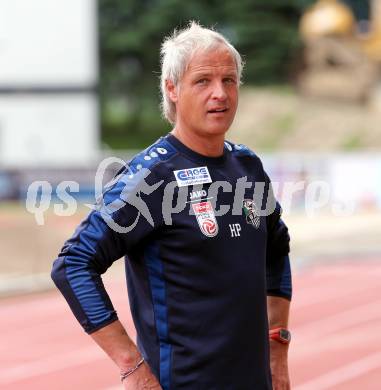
column 186, row 174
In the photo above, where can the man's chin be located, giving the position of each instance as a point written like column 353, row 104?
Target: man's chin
column 217, row 129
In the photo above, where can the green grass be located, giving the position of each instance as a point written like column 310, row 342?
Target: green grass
column 353, row 142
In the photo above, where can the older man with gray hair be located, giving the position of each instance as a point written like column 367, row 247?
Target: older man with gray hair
column 209, row 288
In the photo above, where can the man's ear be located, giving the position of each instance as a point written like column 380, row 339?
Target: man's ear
column 171, row 90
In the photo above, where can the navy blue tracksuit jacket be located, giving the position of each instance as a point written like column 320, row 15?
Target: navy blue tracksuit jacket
column 198, row 276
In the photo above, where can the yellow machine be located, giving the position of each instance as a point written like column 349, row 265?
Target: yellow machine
column 327, row 17
column 341, row 62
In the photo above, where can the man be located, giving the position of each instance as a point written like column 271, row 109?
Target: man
column 204, row 285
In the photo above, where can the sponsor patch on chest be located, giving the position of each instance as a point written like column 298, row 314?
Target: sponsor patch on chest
column 206, row 219
column 192, row 176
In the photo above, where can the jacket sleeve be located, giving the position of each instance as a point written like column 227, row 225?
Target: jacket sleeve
column 107, row 234
column 278, row 270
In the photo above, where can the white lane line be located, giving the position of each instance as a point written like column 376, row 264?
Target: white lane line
column 51, row 364
column 308, row 297
column 345, row 342
column 356, row 315
column 343, row 374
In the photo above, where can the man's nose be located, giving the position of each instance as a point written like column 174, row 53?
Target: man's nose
column 219, row 92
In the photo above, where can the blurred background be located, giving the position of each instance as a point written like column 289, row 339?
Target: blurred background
column 79, row 81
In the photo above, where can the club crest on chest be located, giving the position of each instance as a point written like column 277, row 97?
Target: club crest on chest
column 251, row 212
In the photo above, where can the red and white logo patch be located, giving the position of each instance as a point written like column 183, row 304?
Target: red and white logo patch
column 206, row 219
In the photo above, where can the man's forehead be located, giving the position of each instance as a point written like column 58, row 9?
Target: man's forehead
column 211, row 60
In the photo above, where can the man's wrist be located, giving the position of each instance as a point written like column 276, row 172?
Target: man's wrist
column 280, row 334
column 126, row 373
column 278, row 348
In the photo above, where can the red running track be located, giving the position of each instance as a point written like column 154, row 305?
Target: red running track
column 335, row 319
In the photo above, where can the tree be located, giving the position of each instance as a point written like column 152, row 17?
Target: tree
column 131, row 31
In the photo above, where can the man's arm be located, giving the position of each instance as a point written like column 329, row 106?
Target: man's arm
column 77, row 273
column 86, row 256
column 114, row 340
column 278, row 312
column 279, row 291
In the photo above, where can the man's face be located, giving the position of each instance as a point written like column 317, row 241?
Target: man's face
column 207, row 95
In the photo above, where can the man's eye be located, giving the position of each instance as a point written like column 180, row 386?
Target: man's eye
column 202, row 81
column 229, row 80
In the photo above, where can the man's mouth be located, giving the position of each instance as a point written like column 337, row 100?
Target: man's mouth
column 217, row 110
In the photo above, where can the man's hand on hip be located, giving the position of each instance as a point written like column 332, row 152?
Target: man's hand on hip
column 279, row 365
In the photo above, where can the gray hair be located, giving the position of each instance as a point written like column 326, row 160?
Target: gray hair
column 177, row 51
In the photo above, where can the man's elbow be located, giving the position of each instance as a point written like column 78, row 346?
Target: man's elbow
column 58, row 272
